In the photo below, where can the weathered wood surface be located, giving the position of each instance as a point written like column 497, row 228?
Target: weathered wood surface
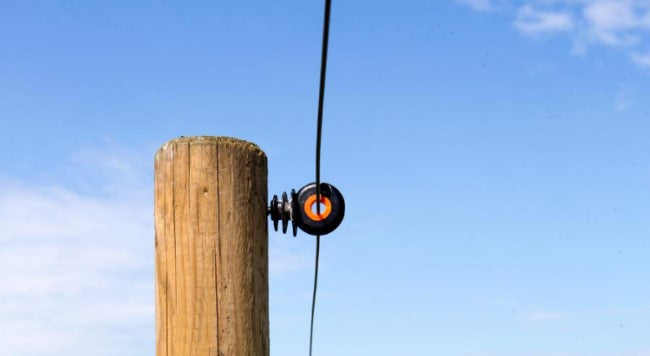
column 211, row 248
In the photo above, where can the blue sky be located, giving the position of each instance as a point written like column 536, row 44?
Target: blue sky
column 493, row 156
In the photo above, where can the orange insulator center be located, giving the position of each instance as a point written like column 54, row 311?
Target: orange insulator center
column 309, row 208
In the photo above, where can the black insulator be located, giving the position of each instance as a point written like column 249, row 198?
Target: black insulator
column 301, row 210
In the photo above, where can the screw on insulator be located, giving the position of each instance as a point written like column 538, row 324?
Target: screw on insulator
column 300, row 210
column 280, row 210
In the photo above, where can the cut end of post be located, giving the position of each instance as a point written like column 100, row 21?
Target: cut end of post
column 219, row 140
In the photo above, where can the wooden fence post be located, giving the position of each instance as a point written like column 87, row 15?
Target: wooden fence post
column 211, row 248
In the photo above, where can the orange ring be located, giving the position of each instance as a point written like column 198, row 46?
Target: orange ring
column 309, row 203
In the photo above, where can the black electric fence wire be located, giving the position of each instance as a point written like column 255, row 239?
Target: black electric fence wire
column 319, row 130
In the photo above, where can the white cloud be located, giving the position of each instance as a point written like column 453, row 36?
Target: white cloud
column 545, row 316
column 77, row 269
column 286, row 258
column 611, row 15
column 620, row 24
column 478, row 5
column 614, row 23
column 532, row 21
column 624, row 99
column 642, row 59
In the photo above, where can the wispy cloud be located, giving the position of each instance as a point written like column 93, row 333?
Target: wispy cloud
column 642, row 59
column 285, row 258
column 78, row 271
column 533, row 21
column 478, row 5
column 545, row 316
column 621, row 24
column 624, row 99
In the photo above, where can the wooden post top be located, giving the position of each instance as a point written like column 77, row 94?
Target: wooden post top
column 220, row 140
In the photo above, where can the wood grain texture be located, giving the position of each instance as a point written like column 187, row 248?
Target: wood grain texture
column 211, row 248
